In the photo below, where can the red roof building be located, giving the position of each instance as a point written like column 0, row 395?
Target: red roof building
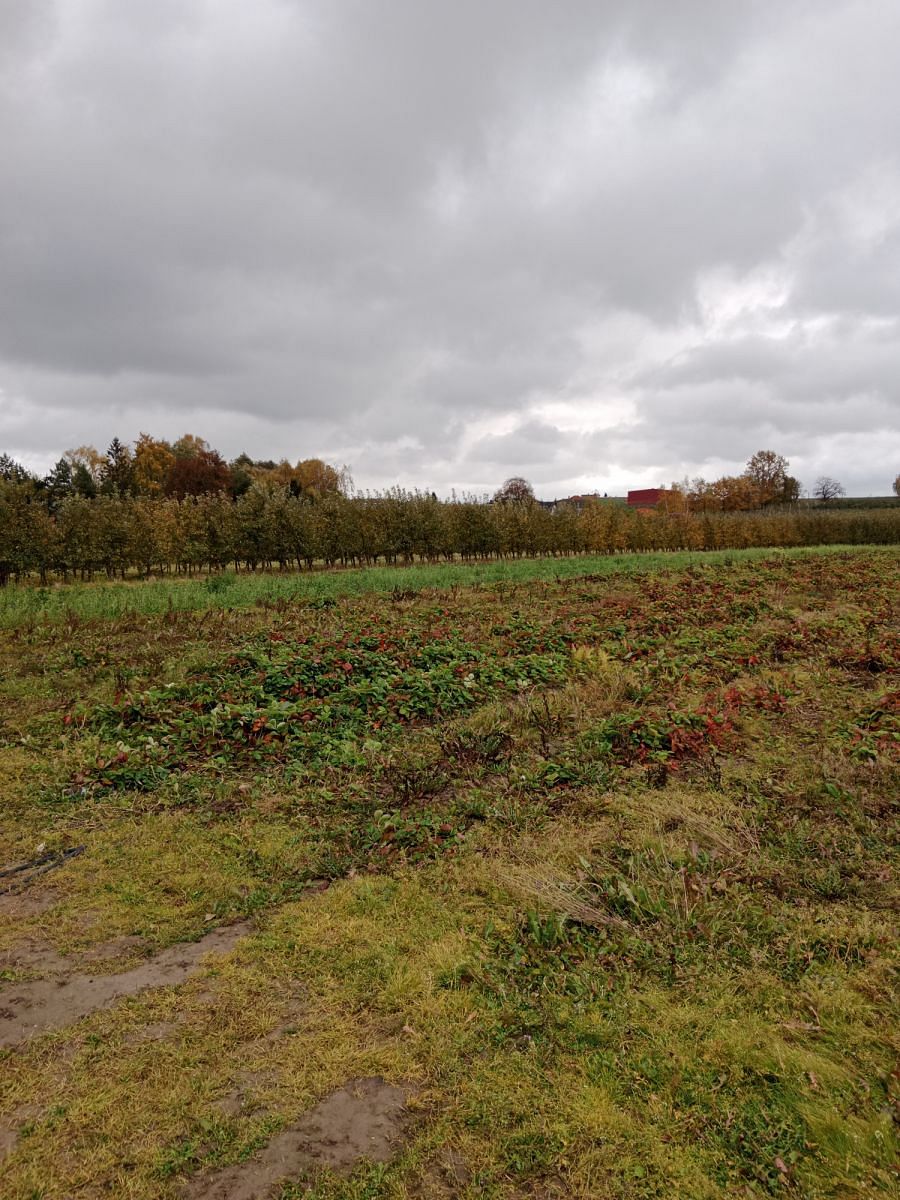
column 645, row 498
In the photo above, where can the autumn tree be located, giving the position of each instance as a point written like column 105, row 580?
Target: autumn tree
column 317, row 478
column 188, row 445
column 790, row 490
column 91, row 463
column 515, row 490
column 197, row 474
column 27, row 530
column 78, row 534
column 153, row 459
column 697, row 492
column 674, row 499
column 768, row 471
column 897, row 486
column 241, row 475
column 735, row 493
column 310, row 478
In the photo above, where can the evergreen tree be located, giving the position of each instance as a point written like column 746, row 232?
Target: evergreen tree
column 58, row 484
column 12, row 471
column 117, row 473
column 83, row 482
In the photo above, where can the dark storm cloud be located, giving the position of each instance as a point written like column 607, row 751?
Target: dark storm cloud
column 604, row 245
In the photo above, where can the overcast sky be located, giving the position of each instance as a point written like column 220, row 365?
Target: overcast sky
column 602, row 245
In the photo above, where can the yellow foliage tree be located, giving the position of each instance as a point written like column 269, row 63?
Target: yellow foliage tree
column 153, row 460
column 88, row 457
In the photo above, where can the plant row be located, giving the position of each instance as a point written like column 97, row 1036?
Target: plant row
column 270, row 527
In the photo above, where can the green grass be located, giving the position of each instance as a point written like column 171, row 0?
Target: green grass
column 856, row 502
column 611, row 860
column 25, row 603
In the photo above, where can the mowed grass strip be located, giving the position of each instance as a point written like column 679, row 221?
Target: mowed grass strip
column 26, row 603
column 605, row 869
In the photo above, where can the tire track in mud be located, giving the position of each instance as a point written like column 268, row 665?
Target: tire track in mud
column 366, row 1119
column 35, row 1006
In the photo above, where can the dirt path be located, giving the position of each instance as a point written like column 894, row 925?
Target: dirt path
column 34, row 1006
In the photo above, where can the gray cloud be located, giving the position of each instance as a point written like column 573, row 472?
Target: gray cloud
column 605, row 245
column 528, row 446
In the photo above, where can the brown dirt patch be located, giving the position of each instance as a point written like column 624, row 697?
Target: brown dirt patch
column 32, row 1007
column 445, row 1178
column 128, row 944
column 365, row 1119
column 35, row 957
column 31, row 903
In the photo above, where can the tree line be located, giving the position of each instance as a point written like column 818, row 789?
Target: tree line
column 268, row 527
column 133, row 512
column 154, row 467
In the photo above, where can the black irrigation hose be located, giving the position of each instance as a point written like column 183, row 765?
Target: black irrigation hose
column 29, row 871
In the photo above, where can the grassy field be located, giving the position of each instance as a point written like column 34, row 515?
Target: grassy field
column 580, row 882
column 28, row 603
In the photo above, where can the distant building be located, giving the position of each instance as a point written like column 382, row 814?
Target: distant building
column 645, row 497
column 579, row 502
column 576, row 502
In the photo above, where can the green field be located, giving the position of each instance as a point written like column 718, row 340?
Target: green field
column 566, row 877
column 26, row 603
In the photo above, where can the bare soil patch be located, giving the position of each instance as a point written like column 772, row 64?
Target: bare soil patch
column 32, row 1007
column 31, row 903
column 446, row 1177
column 120, row 947
column 34, row 956
column 365, row 1119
